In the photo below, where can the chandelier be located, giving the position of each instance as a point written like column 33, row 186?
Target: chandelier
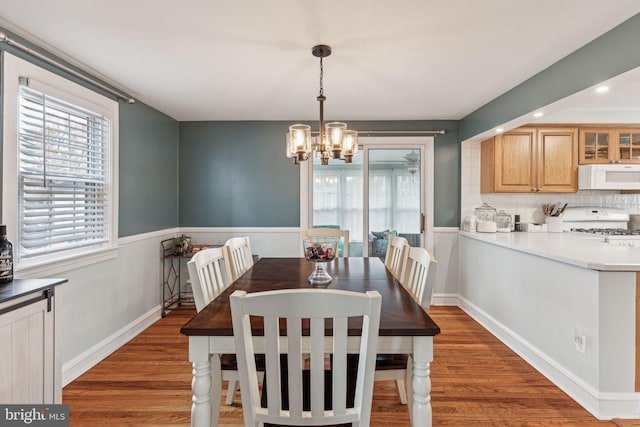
column 334, row 140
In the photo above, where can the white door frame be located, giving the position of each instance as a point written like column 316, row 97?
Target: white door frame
column 424, row 143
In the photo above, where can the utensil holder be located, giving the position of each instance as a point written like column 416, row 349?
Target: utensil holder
column 554, row 224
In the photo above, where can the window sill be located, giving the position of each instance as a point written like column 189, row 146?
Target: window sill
column 50, row 268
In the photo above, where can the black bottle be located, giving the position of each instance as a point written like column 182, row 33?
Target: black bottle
column 6, row 256
column 516, row 223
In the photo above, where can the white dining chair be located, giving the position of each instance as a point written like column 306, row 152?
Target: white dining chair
column 321, row 234
column 312, row 306
column 417, row 277
column 208, row 274
column 238, row 256
column 396, row 254
column 209, row 277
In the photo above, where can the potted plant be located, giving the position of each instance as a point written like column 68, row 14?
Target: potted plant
column 181, row 245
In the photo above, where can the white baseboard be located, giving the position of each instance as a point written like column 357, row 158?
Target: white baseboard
column 603, row 406
column 94, row 355
column 445, row 299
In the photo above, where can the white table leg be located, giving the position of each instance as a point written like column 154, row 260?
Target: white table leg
column 216, row 388
column 206, row 384
column 421, row 414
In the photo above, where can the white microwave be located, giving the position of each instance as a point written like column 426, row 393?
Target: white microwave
column 609, row 177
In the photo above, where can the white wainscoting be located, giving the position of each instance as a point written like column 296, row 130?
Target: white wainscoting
column 108, row 303
column 445, row 250
column 108, row 299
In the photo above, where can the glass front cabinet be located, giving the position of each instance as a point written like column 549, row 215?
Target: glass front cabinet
column 609, row 145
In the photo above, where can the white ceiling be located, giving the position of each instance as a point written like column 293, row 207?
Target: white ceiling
column 251, row 60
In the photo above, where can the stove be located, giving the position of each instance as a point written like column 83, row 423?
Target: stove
column 609, row 224
column 607, row 231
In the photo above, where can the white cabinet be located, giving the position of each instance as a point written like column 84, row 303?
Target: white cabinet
column 30, row 366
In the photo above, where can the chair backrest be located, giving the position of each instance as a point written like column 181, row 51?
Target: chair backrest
column 238, row 256
column 208, row 274
column 312, row 306
column 396, row 254
column 324, row 234
column 418, row 275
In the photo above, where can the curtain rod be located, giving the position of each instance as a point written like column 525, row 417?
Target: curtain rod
column 396, row 132
column 118, row 94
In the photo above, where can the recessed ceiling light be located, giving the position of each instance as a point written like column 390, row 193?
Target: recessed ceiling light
column 498, row 130
column 538, row 114
column 602, row 89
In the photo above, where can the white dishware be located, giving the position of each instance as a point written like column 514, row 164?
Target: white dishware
column 554, row 224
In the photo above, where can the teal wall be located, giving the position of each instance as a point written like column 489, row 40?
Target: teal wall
column 148, row 169
column 611, row 54
column 235, row 174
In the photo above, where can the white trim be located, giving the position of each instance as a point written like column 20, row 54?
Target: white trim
column 305, row 190
column 603, row 406
column 53, row 268
column 63, row 265
column 275, row 230
column 127, row 240
column 94, row 355
column 446, row 229
column 450, row 300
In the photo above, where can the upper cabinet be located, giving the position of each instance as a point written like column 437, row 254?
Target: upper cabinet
column 530, row 159
column 608, row 144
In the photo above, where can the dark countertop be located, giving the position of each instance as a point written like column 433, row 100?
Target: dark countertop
column 21, row 287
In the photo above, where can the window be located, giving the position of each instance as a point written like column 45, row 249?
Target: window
column 63, row 179
column 337, row 198
column 58, row 160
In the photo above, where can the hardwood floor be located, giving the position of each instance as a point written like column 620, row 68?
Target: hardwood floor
column 476, row 381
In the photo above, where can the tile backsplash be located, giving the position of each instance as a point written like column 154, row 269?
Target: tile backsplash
column 529, row 206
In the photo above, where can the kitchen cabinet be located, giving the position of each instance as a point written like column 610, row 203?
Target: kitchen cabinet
column 627, row 148
column 530, row 159
column 609, row 145
column 31, row 371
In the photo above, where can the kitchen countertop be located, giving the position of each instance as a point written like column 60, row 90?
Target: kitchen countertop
column 583, row 251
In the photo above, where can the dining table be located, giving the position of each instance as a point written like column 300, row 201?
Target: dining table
column 405, row 328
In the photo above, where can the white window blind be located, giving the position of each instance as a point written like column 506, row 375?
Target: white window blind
column 63, row 175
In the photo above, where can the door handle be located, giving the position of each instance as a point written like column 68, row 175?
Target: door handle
column 421, row 223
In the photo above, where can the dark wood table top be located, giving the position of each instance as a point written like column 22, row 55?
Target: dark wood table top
column 20, row 287
column 400, row 316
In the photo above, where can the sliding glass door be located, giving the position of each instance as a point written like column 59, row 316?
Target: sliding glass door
column 395, row 197
column 381, row 194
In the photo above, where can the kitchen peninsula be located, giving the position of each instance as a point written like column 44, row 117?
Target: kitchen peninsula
column 566, row 303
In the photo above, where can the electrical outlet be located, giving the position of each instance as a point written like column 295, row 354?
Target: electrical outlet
column 580, row 338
